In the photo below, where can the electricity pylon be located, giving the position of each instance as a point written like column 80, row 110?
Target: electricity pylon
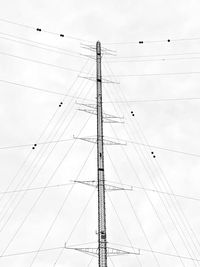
column 102, row 243
column 103, row 251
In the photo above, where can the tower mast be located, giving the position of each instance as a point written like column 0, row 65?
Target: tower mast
column 102, row 239
column 103, row 251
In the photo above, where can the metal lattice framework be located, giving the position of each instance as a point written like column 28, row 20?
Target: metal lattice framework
column 102, row 238
column 103, row 251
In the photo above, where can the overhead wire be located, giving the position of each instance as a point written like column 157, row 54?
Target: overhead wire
column 160, row 252
column 156, row 212
column 41, row 62
column 185, row 220
column 31, row 144
column 112, row 262
column 123, row 228
column 133, row 210
column 90, row 262
column 148, row 197
column 61, row 247
column 43, row 132
column 178, row 224
column 60, row 121
column 61, row 208
column 141, row 42
column 38, row 29
column 74, row 228
column 42, row 89
column 21, row 198
column 154, row 55
column 50, row 121
column 154, row 74
column 35, row 188
column 152, row 100
column 177, row 207
column 166, row 193
column 56, row 130
column 152, row 60
column 41, row 44
column 53, row 50
column 46, row 127
column 174, row 218
column 29, row 252
column 130, row 185
column 41, row 193
column 123, row 140
column 162, row 148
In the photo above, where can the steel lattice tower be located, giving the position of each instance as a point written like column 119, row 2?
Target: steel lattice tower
column 103, row 251
column 102, row 243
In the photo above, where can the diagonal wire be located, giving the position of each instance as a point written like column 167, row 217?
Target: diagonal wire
column 179, row 231
column 46, row 31
column 40, row 195
column 43, row 132
column 61, row 208
column 54, row 134
column 73, row 229
column 40, row 167
column 172, row 217
column 134, row 212
column 163, row 226
column 40, row 62
column 120, row 221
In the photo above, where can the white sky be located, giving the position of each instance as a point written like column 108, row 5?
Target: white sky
column 25, row 113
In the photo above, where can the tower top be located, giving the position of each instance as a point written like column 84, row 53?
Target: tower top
column 98, row 47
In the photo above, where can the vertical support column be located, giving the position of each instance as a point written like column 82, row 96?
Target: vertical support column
column 102, row 243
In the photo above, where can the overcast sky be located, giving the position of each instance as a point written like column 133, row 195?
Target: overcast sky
column 39, row 70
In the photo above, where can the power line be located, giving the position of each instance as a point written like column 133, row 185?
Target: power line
column 163, row 148
column 156, row 55
column 42, row 192
column 166, row 193
column 42, row 89
column 29, row 252
column 62, row 206
column 32, row 164
column 40, row 62
column 66, row 154
column 172, row 218
column 141, row 42
column 124, row 140
column 39, row 45
column 159, row 147
column 38, row 29
column 57, row 248
column 36, row 144
column 68, row 184
column 124, row 229
column 156, row 191
column 44, row 130
column 151, row 176
column 153, row 100
column 34, row 188
column 160, row 252
column 152, row 60
column 74, row 228
column 133, row 210
column 153, row 74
